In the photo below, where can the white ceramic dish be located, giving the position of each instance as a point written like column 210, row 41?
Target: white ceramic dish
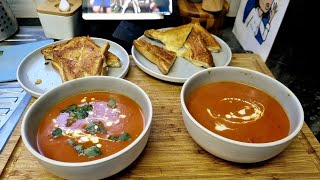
column 33, row 68
column 232, row 150
column 96, row 169
column 181, row 69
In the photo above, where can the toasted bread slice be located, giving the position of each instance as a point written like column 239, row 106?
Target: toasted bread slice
column 211, row 43
column 196, row 51
column 173, row 38
column 161, row 57
column 78, row 57
column 47, row 52
column 113, row 60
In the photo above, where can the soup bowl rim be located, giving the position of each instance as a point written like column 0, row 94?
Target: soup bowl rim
column 288, row 138
column 146, row 128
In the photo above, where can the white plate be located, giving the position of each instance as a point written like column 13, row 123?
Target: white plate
column 33, row 67
column 182, row 69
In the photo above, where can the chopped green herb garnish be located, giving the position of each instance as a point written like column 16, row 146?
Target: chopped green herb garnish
column 70, row 121
column 82, row 112
column 70, row 142
column 1, row 53
column 93, row 130
column 77, row 112
column 89, row 152
column 87, row 107
column 92, row 151
column 79, row 149
column 90, row 128
column 123, row 137
column 56, row 132
column 100, row 127
column 112, row 103
column 71, row 108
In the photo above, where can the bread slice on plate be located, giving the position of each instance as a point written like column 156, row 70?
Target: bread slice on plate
column 197, row 52
column 173, row 38
column 78, row 57
column 111, row 59
column 211, row 43
column 163, row 58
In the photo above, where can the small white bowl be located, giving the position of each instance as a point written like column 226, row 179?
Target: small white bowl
column 96, row 169
column 232, row 150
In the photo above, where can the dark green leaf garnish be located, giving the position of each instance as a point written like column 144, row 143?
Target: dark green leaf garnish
column 92, row 151
column 56, row 132
column 70, row 142
column 92, row 130
column 82, row 112
column 1, row 53
column 77, row 112
column 112, row 103
column 79, row 149
column 123, row 137
column 87, row 107
column 70, row 121
column 71, row 108
column 100, row 128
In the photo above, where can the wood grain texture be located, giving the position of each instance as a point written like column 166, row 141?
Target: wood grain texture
column 52, row 7
column 193, row 13
column 172, row 154
column 212, row 5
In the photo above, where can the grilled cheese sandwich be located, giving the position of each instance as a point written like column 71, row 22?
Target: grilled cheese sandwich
column 78, row 57
column 163, row 58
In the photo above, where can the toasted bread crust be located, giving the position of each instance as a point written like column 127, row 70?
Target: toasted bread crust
column 78, row 57
column 209, row 40
column 163, row 58
column 113, row 60
column 173, row 38
column 197, row 52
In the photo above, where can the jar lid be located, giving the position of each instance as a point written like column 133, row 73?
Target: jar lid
column 52, row 7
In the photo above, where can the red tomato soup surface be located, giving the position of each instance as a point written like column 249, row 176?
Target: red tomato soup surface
column 239, row 112
column 89, row 126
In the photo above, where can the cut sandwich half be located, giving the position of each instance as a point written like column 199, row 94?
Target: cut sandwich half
column 209, row 40
column 161, row 57
column 111, row 59
column 173, row 38
column 197, row 52
column 78, row 57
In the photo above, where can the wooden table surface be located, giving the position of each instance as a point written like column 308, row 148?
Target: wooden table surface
column 171, row 153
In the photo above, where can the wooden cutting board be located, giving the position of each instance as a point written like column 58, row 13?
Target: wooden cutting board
column 172, row 154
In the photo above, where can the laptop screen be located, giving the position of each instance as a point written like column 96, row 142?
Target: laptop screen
column 125, row 9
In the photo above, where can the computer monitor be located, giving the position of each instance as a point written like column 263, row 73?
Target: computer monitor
column 125, row 9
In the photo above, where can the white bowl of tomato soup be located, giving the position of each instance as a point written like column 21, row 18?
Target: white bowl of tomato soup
column 88, row 128
column 240, row 115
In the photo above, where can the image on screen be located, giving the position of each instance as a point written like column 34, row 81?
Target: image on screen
column 125, row 9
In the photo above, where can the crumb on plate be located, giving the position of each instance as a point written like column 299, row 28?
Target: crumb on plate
column 38, row 81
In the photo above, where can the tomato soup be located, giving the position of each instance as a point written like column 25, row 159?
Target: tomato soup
column 239, row 112
column 89, row 126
